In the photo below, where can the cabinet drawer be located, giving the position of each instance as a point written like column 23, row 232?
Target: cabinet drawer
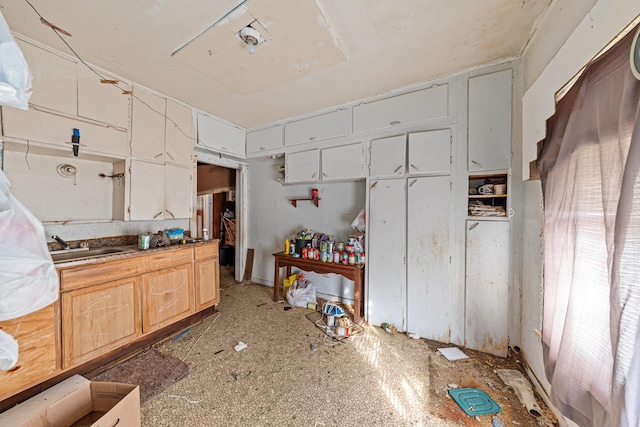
column 36, row 337
column 166, row 259
column 93, row 274
column 206, row 251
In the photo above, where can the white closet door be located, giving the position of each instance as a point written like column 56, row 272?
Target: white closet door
column 386, row 294
column 388, row 156
column 430, row 287
column 487, row 287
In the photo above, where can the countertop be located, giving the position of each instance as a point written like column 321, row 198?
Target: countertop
column 136, row 252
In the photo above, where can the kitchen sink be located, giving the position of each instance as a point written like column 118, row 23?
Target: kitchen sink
column 82, row 253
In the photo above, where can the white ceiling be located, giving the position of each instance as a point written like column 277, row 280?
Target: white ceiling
column 317, row 53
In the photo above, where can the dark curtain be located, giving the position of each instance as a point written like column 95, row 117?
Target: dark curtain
column 589, row 169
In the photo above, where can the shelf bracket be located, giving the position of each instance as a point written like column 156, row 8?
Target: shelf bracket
column 315, row 200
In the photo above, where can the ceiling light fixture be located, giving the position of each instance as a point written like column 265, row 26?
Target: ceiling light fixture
column 251, row 37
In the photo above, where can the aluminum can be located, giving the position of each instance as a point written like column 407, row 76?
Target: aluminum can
column 323, row 256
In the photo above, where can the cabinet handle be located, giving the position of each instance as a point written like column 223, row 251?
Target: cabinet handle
column 474, row 225
column 394, row 123
column 157, row 215
column 511, row 212
column 414, row 181
column 374, row 185
column 314, row 175
column 312, row 138
column 157, row 155
column 171, row 157
column 398, row 169
column 413, row 166
column 476, row 163
column 170, row 213
column 324, row 175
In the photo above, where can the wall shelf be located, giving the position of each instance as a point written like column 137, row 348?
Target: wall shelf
column 294, row 202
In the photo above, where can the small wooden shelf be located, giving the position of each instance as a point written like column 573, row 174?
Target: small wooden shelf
column 294, row 202
column 486, row 196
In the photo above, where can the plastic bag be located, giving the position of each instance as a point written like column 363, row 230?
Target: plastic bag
column 8, row 351
column 299, row 296
column 360, row 222
column 15, row 76
column 28, row 279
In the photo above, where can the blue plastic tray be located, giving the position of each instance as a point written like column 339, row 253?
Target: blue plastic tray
column 474, row 401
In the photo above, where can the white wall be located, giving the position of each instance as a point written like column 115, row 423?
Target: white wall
column 272, row 219
column 544, row 75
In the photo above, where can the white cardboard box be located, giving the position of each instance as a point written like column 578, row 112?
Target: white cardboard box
column 78, row 402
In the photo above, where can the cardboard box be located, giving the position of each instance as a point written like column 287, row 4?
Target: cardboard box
column 77, row 402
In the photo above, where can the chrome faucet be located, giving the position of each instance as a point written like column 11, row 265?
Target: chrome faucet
column 58, row 239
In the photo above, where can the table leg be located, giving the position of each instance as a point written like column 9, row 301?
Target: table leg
column 276, row 282
column 357, row 297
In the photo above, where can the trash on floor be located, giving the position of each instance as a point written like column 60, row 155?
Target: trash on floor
column 389, row 328
column 452, row 353
column 522, row 387
column 474, row 401
column 181, row 334
column 313, row 347
column 301, row 292
column 240, row 346
column 413, row 336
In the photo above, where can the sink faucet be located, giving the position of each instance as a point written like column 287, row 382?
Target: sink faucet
column 58, row 239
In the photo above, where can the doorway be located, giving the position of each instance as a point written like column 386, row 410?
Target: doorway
column 216, row 209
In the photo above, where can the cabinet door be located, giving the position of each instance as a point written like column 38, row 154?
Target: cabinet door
column 178, row 191
column 98, row 319
column 490, row 121
column 34, row 125
column 147, row 126
column 167, row 296
column 55, row 79
column 342, row 162
column 219, row 136
column 388, row 156
column 102, row 102
column 36, row 336
column 413, row 107
column 207, row 282
column 303, row 166
column 430, row 287
column 386, row 267
column 430, row 152
column 323, row 126
column 264, row 140
column 487, row 287
column 147, row 191
column 179, row 139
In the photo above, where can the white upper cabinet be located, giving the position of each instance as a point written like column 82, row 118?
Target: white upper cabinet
column 219, row 136
column 303, row 166
column 430, row 152
column 388, row 156
column 343, row 162
column 179, row 135
column 178, row 191
column 264, row 140
column 413, row 107
column 148, row 126
column 323, row 126
column 55, row 130
column 490, row 121
column 103, row 102
column 55, row 79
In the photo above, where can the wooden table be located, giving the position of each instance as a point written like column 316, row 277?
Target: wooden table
column 351, row 272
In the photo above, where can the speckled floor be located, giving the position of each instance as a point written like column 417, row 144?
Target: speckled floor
column 278, row 380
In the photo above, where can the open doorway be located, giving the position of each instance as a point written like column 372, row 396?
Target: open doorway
column 216, row 209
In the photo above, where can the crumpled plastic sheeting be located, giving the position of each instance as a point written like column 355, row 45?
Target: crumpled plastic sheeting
column 8, row 351
column 28, row 279
column 15, row 76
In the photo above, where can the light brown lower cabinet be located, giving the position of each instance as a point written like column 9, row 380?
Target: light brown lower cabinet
column 98, row 319
column 108, row 304
column 38, row 350
column 207, row 273
column 167, row 296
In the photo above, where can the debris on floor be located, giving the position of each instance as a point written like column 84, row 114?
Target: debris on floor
column 389, row 328
column 474, row 401
column 240, row 346
column 452, row 353
column 517, row 381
